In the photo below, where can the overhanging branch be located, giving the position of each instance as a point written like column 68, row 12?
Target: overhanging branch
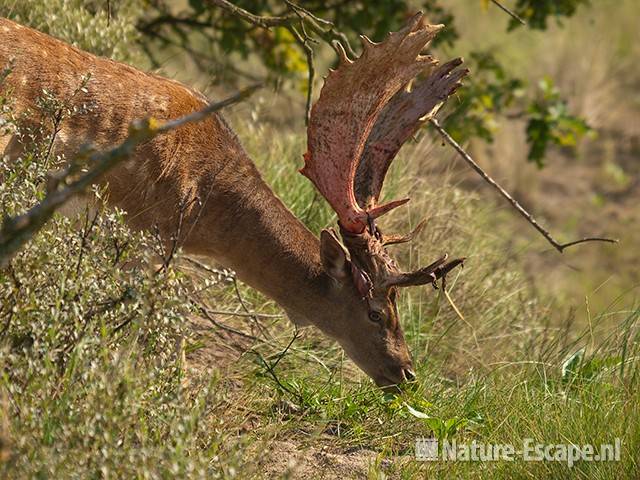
column 18, row 230
column 298, row 15
column 514, row 203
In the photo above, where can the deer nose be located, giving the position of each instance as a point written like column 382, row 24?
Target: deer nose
column 408, row 374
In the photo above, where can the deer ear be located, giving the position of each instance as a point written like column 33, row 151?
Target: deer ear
column 334, row 256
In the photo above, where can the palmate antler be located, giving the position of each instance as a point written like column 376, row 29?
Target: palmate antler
column 350, row 102
column 405, row 113
column 364, row 115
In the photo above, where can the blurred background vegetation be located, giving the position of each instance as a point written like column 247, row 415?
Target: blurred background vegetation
column 111, row 371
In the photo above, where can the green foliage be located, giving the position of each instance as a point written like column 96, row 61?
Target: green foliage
column 91, row 356
column 537, row 12
column 283, row 57
column 484, row 99
column 445, row 429
column 493, row 94
column 550, row 121
column 92, row 341
column 87, row 24
column 276, row 49
column 489, row 95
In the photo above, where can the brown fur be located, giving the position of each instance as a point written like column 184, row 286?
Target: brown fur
column 231, row 213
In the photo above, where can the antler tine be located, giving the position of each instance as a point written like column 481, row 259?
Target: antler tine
column 428, row 274
column 344, row 58
column 350, row 102
column 399, row 120
column 394, row 239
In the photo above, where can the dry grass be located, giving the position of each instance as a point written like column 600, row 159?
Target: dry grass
column 495, row 376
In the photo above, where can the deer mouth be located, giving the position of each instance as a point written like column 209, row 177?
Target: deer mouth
column 393, row 381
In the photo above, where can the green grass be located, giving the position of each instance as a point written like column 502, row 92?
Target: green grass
column 494, row 377
column 103, row 374
column 85, row 397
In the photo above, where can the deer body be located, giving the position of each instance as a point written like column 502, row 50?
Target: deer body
column 200, row 177
column 240, row 218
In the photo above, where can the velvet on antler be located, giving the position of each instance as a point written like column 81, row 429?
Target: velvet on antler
column 405, row 113
column 365, row 113
column 350, row 102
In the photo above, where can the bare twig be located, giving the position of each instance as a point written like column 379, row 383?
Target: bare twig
column 244, row 314
column 229, row 329
column 246, row 309
column 230, row 276
column 323, row 28
column 119, row 248
column 57, row 121
column 270, row 367
column 18, row 230
column 509, row 12
column 587, row 239
column 281, row 355
column 514, row 203
column 123, row 324
column 86, row 231
column 265, row 22
column 304, row 43
column 239, row 296
column 175, row 238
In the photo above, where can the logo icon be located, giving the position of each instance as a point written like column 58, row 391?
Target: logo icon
column 426, row 449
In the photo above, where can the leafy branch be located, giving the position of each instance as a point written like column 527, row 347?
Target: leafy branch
column 283, row 34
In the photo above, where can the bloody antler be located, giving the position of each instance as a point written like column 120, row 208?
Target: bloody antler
column 350, row 102
column 364, row 115
column 399, row 121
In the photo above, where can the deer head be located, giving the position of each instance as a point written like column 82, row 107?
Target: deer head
column 365, row 113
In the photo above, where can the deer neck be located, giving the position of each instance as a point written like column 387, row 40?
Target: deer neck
column 248, row 229
column 233, row 216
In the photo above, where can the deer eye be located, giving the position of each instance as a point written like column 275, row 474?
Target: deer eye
column 375, row 316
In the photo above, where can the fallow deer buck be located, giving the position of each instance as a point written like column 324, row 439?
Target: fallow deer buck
column 349, row 288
